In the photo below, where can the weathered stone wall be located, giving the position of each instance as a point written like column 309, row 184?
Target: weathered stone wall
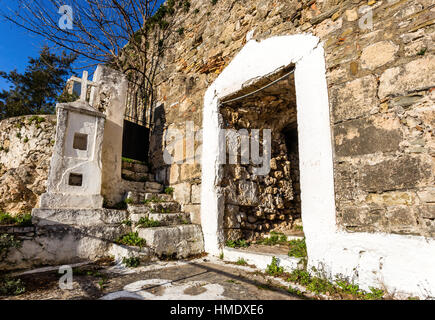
column 255, row 205
column 26, row 145
column 380, row 79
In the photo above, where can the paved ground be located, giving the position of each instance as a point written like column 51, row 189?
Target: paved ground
column 193, row 280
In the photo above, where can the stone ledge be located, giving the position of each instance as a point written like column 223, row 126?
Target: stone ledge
column 261, row 260
column 78, row 217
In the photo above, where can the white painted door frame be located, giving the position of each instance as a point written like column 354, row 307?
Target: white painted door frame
column 257, row 60
column 398, row 263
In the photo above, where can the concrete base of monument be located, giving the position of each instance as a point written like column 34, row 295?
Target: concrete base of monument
column 61, row 200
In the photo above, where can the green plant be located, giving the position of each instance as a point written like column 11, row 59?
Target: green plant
column 148, row 223
column 237, row 244
column 8, row 241
column 274, row 269
column 180, row 31
column 18, row 135
column 154, row 199
column 422, row 52
column 22, row 220
column 348, row 287
column 374, row 294
column 274, row 239
column 241, row 262
column 169, row 190
column 36, row 119
column 128, row 223
column 213, row 2
column 132, row 262
column 128, row 201
column 103, row 283
column 186, row 5
column 299, row 228
column 131, row 239
column 6, row 219
column 11, row 287
column 26, row 140
column 221, row 256
column 298, row 248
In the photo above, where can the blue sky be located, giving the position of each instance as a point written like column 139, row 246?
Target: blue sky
column 17, row 45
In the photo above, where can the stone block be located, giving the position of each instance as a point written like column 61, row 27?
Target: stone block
column 393, row 174
column 367, row 136
column 354, row 99
column 378, row 54
column 415, row 75
column 402, row 220
column 182, row 192
column 195, row 212
column 427, row 195
column 248, row 193
column 232, row 218
column 174, row 174
column 190, row 171
column 196, row 194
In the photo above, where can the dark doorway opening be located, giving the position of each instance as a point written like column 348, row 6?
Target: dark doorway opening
column 291, row 138
column 135, row 141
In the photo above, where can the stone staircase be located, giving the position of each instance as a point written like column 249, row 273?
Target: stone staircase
column 157, row 218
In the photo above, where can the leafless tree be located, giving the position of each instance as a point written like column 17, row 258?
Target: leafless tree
column 127, row 34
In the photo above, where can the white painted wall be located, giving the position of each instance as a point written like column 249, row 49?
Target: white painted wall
column 403, row 265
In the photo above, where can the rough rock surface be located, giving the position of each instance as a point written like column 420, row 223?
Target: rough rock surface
column 26, row 145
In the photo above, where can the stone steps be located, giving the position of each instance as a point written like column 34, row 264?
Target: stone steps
column 143, row 187
column 135, row 167
column 137, row 176
column 161, row 207
column 119, row 252
column 140, row 197
column 179, row 241
column 165, row 219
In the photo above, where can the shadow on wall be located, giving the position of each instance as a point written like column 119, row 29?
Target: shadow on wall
column 157, row 146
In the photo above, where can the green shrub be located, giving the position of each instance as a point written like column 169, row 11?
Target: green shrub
column 169, row 190
column 131, row 239
column 237, row 244
column 11, row 287
column 241, row 262
column 36, row 119
column 274, row 239
column 148, row 223
column 274, row 269
column 22, row 220
column 8, row 241
column 298, row 248
column 6, row 219
column 131, row 262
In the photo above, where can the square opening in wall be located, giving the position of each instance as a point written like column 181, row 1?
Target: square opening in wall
column 75, row 180
column 80, row 141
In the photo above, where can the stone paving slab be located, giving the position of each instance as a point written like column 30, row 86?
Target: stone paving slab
column 193, row 280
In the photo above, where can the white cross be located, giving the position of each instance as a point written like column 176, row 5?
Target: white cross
column 85, row 83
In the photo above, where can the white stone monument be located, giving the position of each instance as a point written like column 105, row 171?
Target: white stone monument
column 74, row 181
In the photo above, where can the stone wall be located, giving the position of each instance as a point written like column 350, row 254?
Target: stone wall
column 26, row 145
column 380, row 80
column 256, row 205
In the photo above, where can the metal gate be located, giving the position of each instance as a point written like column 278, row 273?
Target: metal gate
column 135, row 141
